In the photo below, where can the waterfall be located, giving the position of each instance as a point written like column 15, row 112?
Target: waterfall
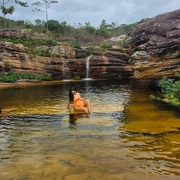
column 87, row 68
column 66, row 71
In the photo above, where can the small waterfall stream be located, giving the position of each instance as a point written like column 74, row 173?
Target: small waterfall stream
column 87, row 68
column 66, row 71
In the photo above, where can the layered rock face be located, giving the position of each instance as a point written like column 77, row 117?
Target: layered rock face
column 14, row 58
column 73, row 62
column 151, row 50
column 114, row 63
column 155, row 46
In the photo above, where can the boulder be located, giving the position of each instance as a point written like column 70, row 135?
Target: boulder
column 155, row 46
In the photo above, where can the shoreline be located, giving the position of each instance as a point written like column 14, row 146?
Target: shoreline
column 27, row 83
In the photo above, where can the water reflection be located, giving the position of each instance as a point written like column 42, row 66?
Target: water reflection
column 151, row 132
column 126, row 134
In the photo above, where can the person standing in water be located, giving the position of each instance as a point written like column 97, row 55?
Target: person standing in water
column 78, row 102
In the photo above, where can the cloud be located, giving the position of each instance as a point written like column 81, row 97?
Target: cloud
column 94, row 11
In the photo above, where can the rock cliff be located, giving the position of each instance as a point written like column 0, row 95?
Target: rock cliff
column 112, row 64
column 155, row 46
column 151, row 50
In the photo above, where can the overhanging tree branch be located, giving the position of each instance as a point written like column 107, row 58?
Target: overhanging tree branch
column 11, row 9
column 24, row 4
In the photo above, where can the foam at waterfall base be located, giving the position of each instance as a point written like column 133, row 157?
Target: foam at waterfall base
column 87, row 79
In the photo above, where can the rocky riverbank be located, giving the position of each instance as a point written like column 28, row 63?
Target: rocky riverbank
column 151, row 50
column 27, row 83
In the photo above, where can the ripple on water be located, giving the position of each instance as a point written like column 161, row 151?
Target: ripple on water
column 40, row 138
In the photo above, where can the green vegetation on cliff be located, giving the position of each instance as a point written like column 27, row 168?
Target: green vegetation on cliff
column 30, row 42
column 12, row 77
column 170, row 90
column 79, row 33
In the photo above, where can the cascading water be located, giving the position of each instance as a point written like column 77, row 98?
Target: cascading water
column 66, row 71
column 87, row 68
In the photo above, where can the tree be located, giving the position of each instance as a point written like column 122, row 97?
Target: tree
column 6, row 11
column 65, row 28
column 21, row 3
column 90, row 29
column 103, row 24
column 43, row 7
column 113, row 25
column 53, row 26
column 11, row 9
column 20, row 23
column 38, row 22
column 39, row 25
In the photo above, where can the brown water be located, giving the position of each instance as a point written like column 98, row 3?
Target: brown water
column 127, row 136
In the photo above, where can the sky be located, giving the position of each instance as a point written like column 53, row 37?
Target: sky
column 94, row 11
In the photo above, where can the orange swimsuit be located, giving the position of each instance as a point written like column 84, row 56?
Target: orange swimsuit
column 78, row 102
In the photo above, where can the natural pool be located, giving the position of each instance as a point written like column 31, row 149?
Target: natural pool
column 128, row 136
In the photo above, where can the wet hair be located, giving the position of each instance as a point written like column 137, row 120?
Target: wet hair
column 71, row 96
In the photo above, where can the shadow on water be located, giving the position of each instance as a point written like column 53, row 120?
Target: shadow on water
column 166, row 107
column 73, row 117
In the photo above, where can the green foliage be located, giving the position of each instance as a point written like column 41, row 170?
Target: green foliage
column 175, row 102
column 74, row 43
column 120, row 42
column 53, row 26
column 9, row 10
column 76, row 77
column 43, row 6
column 103, row 33
column 130, row 27
column 21, row 3
column 6, row 11
column 159, row 99
column 12, row 77
column 170, row 89
column 48, row 42
column 8, row 78
column 7, row 66
column 90, row 29
column 152, row 97
column 177, row 75
column 65, row 28
column 30, row 43
column 90, row 49
column 105, row 45
column 28, row 25
column 38, row 52
column 62, row 33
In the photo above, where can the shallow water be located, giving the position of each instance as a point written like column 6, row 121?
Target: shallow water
column 126, row 137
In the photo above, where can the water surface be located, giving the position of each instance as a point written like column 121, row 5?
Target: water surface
column 127, row 136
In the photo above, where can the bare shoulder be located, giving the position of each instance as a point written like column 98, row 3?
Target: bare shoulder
column 78, row 94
